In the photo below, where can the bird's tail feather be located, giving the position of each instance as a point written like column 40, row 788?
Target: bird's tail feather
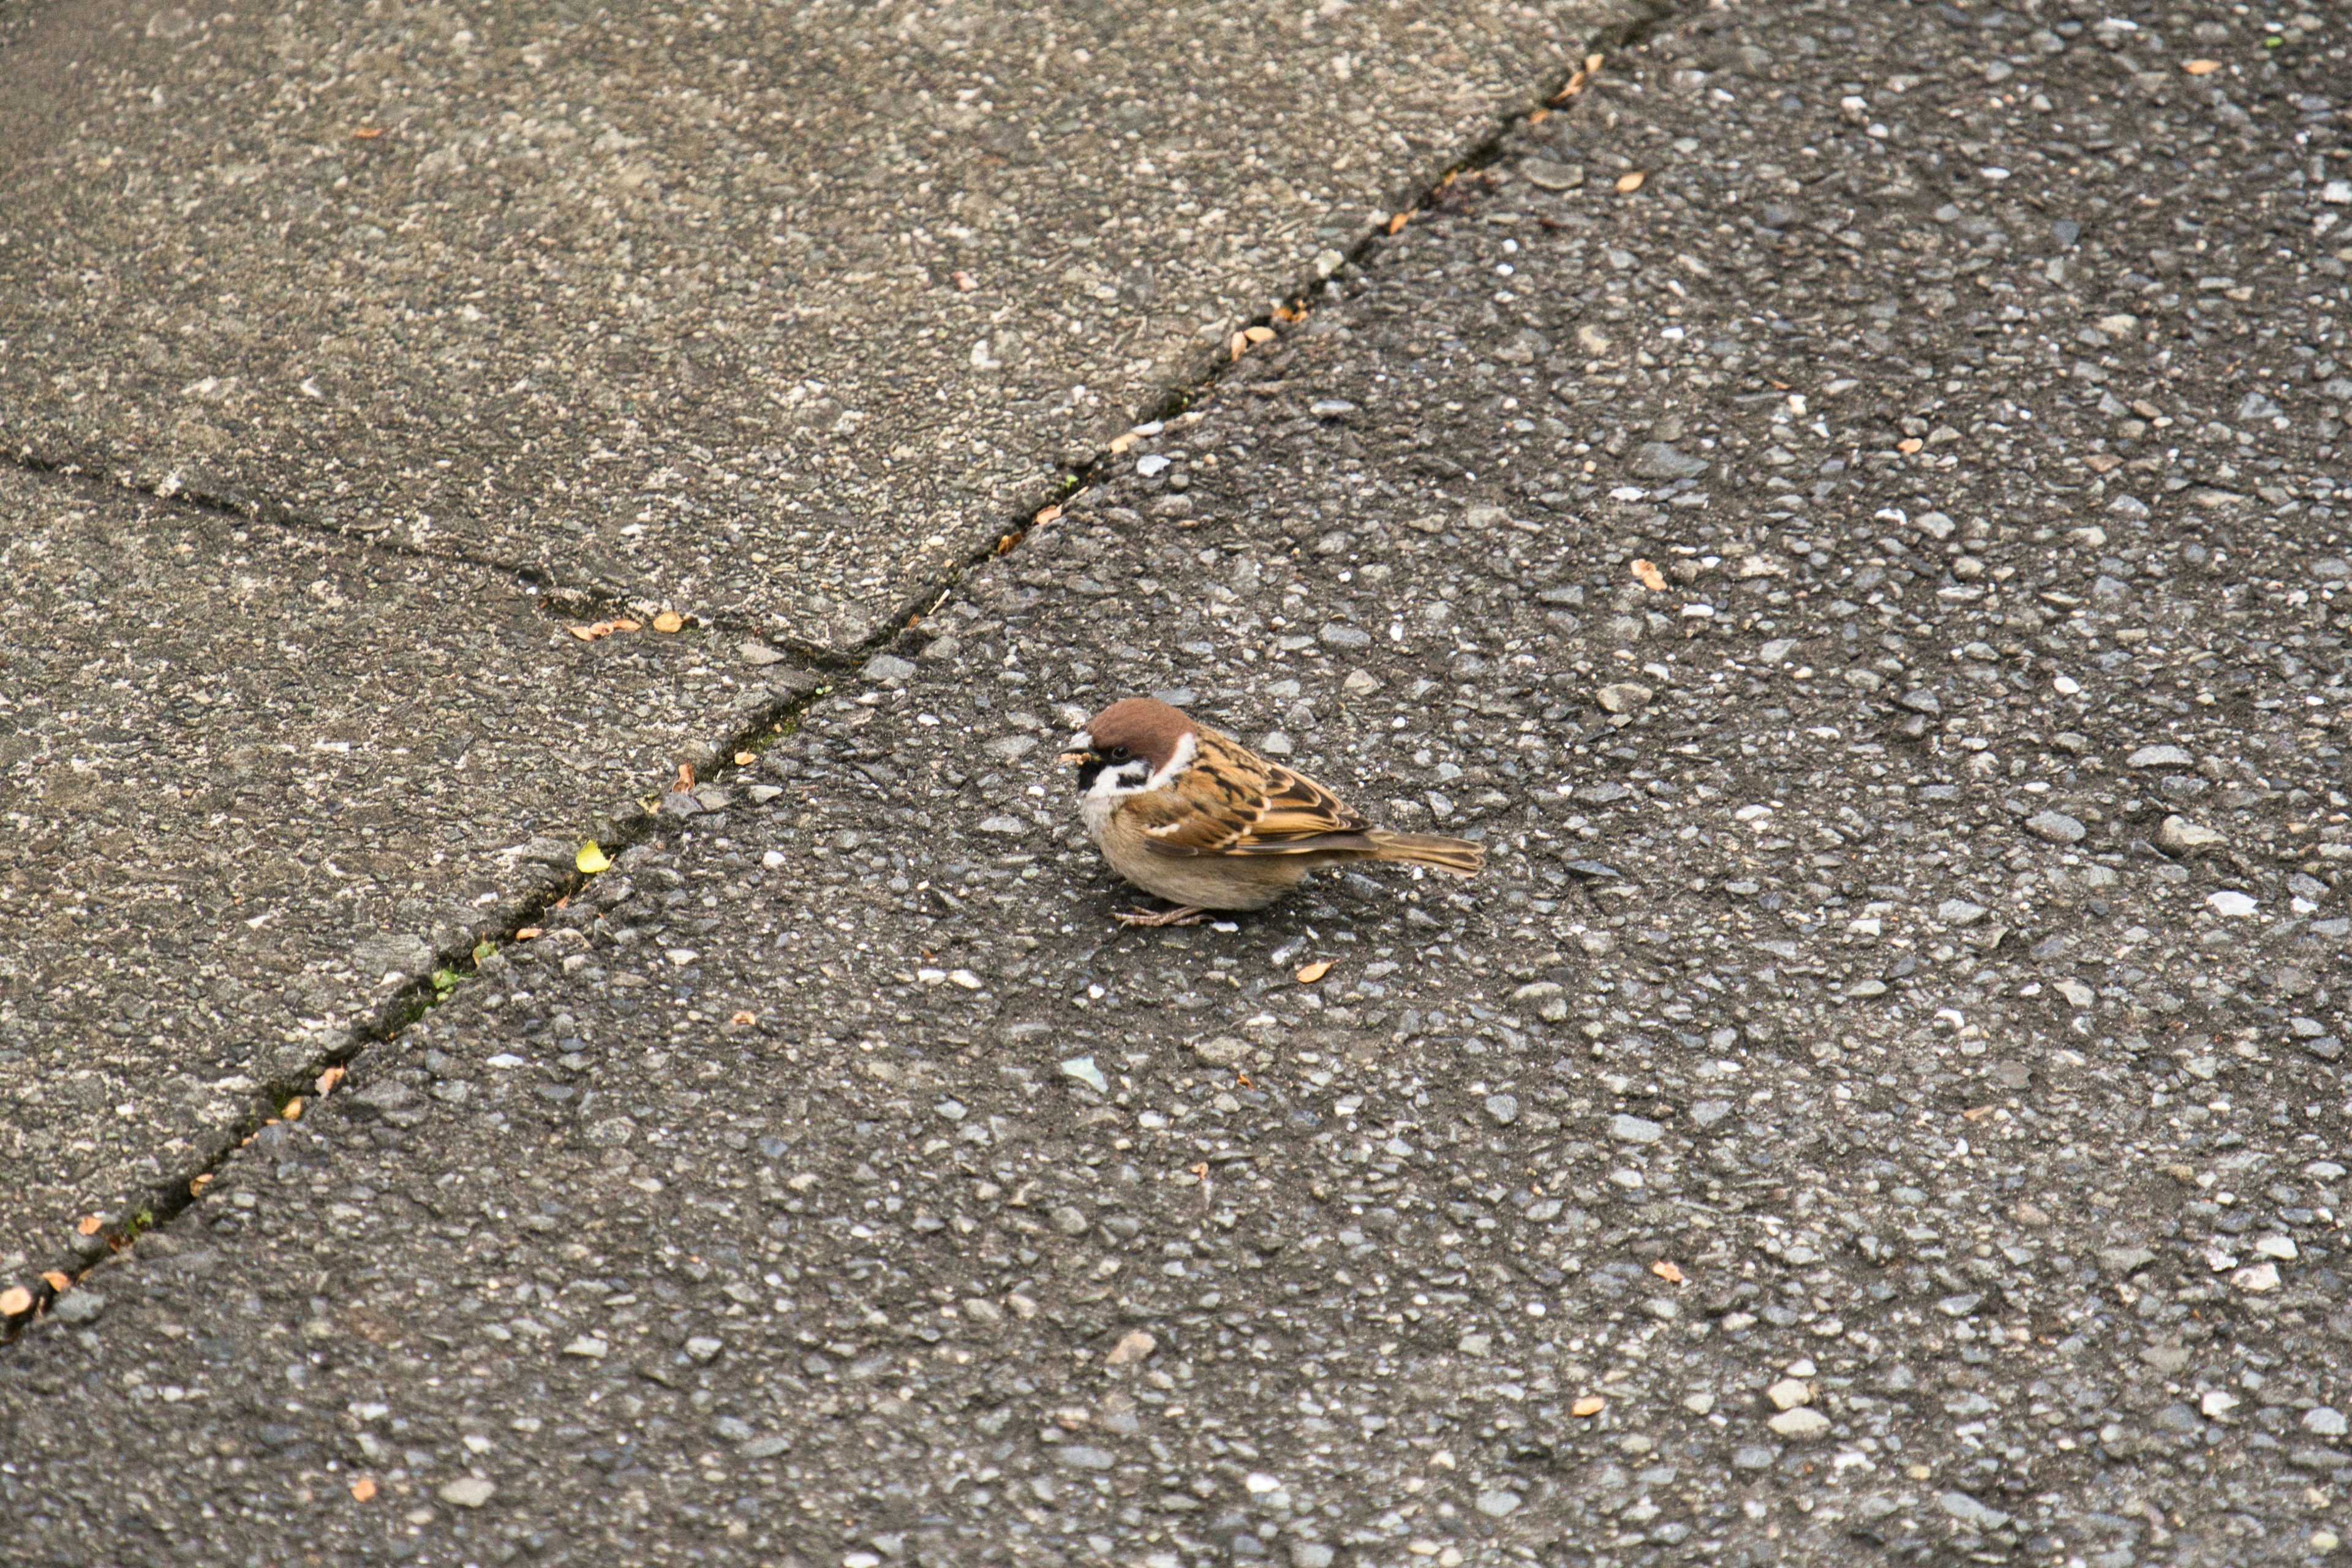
column 1457, row 856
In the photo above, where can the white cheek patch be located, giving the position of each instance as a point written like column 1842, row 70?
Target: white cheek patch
column 1128, row 778
column 1187, row 749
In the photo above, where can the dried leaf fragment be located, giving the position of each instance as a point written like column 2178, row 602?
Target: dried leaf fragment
column 592, row 859
column 1311, row 973
column 1652, row 578
column 327, row 1081
column 1045, row 514
column 1908, row 445
column 198, row 1183
column 363, row 1489
column 745, row 1017
column 590, row 634
column 293, row 1110
column 965, row 282
column 1396, row 224
column 1978, row 1112
column 745, row 759
column 1126, row 439
column 88, row 1225
column 1629, row 182
column 1240, row 346
column 1665, row 1269
column 669, row 621
column 2201, row 67
column 685, row 777
column 16, row 1301
column 57, row 1280
column 627, row 626
column 1259, row 334
column 1576, row 82
column 367, row 132
column 1133, row 1346
column 530, row 932
column 1591, row 1405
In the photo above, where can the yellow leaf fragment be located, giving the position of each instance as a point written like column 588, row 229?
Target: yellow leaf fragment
column 1665, row 1269
column 56, row 1280
column 1309, row 973
column 16, row 1301
column 1629, row 182
column 1591, row 1405
column 669, row 621
column 1396, row 224
column 1258, row 334
column 88, row 1225
column 293, row 1110
column 1652, row 578
column 591, row 859
column 1908, row 445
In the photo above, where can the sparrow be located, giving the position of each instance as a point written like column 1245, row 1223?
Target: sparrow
column 1197, row 818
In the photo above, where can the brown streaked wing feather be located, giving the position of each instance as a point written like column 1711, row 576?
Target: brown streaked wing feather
column 1295, row 805
column 1233, row 803
column 1175, row 824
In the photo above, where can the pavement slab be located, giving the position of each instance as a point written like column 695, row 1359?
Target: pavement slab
column 778, row 311
column 1885, row 1092
column 256, row 783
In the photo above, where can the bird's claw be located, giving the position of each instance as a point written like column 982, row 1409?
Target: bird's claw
column 1187, row 915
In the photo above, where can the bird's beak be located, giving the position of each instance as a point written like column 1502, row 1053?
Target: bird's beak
column 1081, row 751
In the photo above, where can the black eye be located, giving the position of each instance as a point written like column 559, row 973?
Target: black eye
column 1119, row 753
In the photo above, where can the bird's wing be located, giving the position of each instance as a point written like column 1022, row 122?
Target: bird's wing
column 1230, row 802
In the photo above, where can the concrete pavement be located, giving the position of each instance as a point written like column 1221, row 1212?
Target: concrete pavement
column 1885, row 1095
column 440, row 340
column 778, row 311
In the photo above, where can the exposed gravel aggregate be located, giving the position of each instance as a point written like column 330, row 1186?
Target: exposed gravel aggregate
column 773, row 310
column 1885, row 1096
column 248, row 777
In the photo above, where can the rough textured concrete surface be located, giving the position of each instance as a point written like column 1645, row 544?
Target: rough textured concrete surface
column 1875, row 585
column 779, row 310
column 1854, row 1111
column 249, row 778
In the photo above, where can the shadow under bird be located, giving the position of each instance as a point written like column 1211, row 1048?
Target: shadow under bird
column 1198, row 819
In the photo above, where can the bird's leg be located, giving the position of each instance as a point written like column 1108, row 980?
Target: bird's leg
column 1183, row 915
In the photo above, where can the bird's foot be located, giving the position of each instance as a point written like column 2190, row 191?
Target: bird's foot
column 1183, row 915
